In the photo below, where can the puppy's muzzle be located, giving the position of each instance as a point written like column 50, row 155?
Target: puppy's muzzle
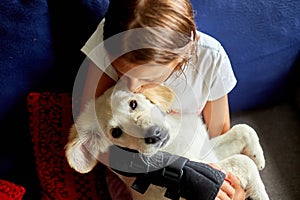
column 156, row 134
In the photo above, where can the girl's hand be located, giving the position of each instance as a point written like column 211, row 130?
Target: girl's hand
column 231, row 188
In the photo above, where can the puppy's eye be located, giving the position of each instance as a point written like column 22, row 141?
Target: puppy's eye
column 133, row 104
column 116, row 132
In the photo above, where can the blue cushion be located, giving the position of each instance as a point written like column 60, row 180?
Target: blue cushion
column 40, row 45
column 40, row 42
column 262, row 39
column 26, row 53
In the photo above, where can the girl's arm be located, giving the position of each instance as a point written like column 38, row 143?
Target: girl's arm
column 216, row 116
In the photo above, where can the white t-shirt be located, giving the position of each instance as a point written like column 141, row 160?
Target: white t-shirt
column 207, row 78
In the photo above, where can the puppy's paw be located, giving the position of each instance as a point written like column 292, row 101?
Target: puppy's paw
column 259, row 193
column 252, row 148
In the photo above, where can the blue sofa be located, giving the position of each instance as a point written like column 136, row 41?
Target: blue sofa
column 40, row 45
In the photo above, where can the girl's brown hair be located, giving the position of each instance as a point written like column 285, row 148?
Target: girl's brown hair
column 164, row 30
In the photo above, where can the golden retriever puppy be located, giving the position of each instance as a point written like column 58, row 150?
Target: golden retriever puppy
column 141, row 122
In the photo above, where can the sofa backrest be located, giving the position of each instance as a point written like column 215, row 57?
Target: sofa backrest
column 262, row 39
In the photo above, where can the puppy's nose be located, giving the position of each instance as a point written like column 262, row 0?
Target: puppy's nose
column 154, row 135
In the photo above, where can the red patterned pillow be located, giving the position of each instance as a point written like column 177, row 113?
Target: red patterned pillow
column 50, row 120
column 11, row 191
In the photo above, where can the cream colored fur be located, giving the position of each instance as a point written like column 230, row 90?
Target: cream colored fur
column 237, row 151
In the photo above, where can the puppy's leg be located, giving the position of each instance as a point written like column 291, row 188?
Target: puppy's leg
column 245, row 169
column 242, row 139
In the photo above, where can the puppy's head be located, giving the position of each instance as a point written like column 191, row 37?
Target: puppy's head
column 129, row 120
column 138, row 120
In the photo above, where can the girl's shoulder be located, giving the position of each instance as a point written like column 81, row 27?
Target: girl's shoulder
column 208, row 42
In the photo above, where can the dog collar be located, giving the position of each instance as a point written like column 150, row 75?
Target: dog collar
column 128, row 149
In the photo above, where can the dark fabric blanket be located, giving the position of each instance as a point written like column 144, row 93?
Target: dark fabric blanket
column 11, row 191
column 50, row 117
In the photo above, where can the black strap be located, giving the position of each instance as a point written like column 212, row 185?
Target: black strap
column 172, row 176
column 141, row 184
column 181, row 177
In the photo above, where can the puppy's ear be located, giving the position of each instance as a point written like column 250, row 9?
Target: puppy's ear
column 85, row 142
column 160, row 95
column 77, row 154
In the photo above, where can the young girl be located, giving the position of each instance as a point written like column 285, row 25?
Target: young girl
column 150, row 42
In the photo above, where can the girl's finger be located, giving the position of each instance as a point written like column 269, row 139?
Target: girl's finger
column 227, row 188
column 222, row 196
